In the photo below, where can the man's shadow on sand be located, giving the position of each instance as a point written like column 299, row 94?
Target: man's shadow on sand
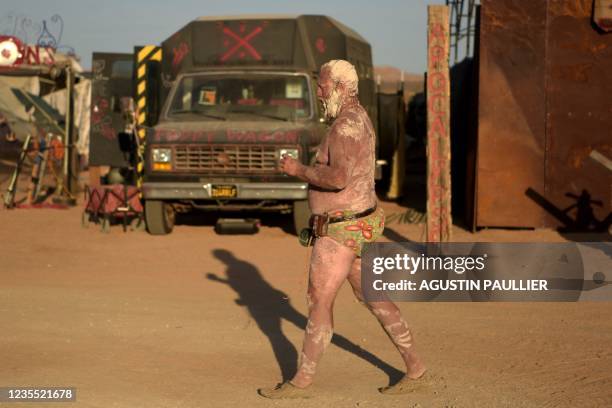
column 268, row 306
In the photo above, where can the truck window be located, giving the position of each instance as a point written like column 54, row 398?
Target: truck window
column 241, row 96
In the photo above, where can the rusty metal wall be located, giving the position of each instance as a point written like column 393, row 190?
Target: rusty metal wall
column 545, row 102
column 511, row 124
column 579, row 114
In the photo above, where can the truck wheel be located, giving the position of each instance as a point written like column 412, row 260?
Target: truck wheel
column 159, row 217
column 301, row 215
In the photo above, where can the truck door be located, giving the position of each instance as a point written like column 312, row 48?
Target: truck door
column 112, row 85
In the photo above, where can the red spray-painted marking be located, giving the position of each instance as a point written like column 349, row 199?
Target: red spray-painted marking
column 101, row 121
column 179, row 53
column 262, row 137
column 233, row 136
column 320, row 45
column 242, row 42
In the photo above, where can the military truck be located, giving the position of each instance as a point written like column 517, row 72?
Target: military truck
column 223, row 99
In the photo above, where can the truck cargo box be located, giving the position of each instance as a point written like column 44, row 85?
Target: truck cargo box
column 287, row 42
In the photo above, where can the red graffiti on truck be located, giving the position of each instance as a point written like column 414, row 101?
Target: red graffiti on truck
column 230, row 136
column 179, row 53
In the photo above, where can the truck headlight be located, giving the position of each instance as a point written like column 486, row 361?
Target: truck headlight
column 295, row 153
column 162, row 155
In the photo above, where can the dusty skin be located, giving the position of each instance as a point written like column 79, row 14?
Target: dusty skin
column 134, row 320
column 342, row 178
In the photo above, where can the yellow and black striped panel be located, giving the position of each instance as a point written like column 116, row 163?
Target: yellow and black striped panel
column 143, row 56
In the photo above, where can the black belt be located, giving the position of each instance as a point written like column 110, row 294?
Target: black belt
column 333, row 220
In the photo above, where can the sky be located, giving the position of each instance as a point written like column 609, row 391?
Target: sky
column 396, row 29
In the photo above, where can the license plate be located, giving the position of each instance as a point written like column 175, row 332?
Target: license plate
column 224, row 191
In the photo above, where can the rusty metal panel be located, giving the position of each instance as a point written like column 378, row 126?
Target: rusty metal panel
column 545, row 110
column 511, row 134
column 579, row 116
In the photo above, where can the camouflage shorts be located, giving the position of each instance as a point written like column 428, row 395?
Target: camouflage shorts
column 355, row 233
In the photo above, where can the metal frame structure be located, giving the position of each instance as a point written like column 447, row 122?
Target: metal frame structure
column 462, row 25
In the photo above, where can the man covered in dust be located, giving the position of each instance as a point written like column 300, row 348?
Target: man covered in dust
column 341, row 186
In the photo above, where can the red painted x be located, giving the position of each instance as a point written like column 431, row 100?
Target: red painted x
column 242, row 42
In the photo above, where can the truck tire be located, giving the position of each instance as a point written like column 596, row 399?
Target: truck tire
column 301, row 215
column 159, row 217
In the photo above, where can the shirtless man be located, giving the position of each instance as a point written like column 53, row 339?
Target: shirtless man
column 341, row 185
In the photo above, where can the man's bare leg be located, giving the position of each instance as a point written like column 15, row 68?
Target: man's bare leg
column 329, row 267
column 391, row 320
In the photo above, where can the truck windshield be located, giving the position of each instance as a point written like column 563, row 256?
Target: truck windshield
column 241, row 97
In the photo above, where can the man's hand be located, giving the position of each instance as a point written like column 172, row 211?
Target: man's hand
column 289, row 165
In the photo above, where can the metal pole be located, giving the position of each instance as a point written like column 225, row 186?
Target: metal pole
column 66, row 190
column 67, row 127
column 469, row 27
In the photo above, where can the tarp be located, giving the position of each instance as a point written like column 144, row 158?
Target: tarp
column 46, row 117
column 82, row 104
column 21, row 120
column 10, row 106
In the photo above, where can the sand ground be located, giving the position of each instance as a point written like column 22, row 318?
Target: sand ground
column 133, row 320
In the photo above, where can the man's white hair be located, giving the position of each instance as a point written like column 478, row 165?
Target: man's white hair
column 343, row 72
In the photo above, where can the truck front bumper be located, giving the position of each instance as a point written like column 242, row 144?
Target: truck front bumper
column 245, row 191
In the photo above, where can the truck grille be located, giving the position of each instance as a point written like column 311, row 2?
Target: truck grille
column 226, row 158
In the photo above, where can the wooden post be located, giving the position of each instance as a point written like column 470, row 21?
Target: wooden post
column 398, row 165
column 66, row 190
column 397, row 170
column 439, row 221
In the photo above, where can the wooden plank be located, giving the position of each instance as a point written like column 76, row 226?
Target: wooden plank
column 439, row 220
